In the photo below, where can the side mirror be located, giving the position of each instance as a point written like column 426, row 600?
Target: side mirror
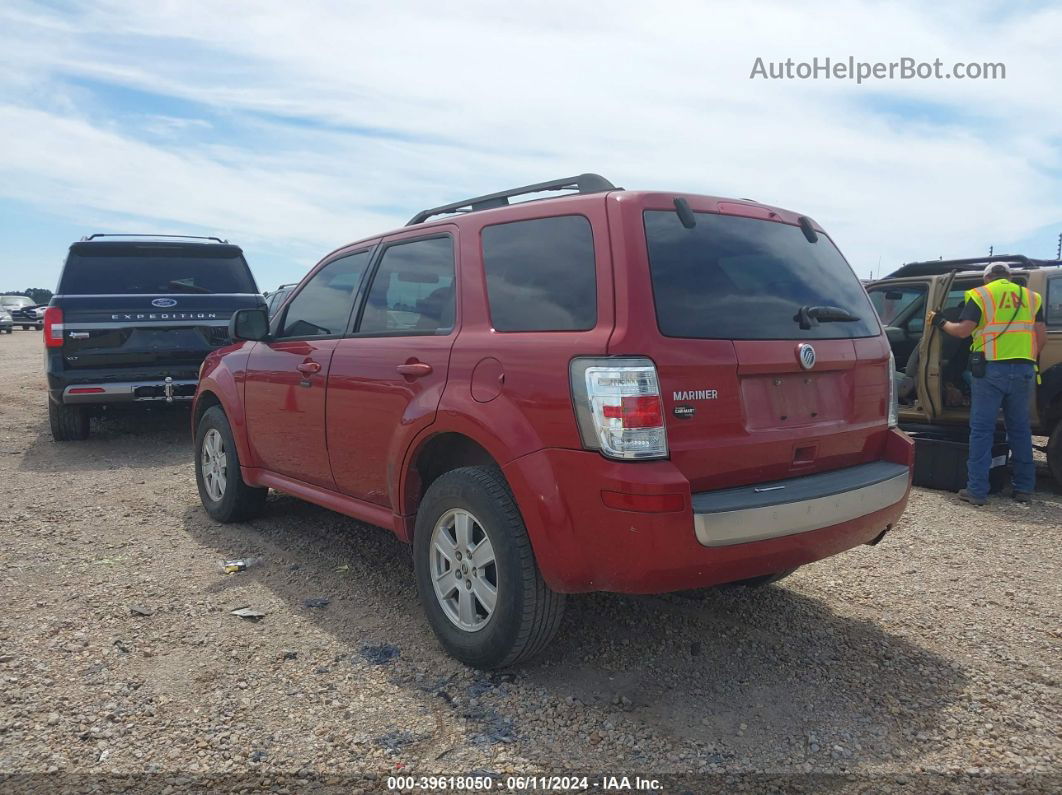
column 249, row 324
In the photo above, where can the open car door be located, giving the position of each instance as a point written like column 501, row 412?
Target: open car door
column 928, row 385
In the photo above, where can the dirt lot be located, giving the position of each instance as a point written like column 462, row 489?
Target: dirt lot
column 936, row 652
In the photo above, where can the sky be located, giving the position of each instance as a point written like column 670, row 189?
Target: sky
column 293, row 128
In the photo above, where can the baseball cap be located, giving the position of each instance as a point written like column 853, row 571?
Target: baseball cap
column 994, row 268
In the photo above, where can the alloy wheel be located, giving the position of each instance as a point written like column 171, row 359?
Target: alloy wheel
column 214, row 465
column 464, row 572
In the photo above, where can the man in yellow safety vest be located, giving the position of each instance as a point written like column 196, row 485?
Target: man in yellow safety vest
column 1007, row 324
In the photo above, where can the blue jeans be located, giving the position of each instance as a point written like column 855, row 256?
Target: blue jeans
column 1008, row 384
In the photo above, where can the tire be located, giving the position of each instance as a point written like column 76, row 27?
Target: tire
column 69, row 423
column 762, row 580
column 526, row 613
column 221, row 488
column 27, row 328
column 1054, row 453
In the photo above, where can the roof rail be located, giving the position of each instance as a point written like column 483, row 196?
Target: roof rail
column 135, row 234
column 937, row 266
column 582, row 183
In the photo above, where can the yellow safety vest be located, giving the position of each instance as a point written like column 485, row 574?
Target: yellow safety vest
column 1005, row 330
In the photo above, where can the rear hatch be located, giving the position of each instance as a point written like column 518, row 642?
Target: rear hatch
column 727, row 338
column 150, row 305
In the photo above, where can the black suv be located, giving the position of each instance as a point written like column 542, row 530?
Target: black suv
column 134, row 317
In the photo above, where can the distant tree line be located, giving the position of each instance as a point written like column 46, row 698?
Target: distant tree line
column 38, row 294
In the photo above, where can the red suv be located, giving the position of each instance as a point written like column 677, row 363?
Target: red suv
column 603, row 391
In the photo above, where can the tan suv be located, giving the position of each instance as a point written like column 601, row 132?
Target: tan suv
column 939, row 391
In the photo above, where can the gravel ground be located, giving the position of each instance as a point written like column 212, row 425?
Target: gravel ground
column 929, row 661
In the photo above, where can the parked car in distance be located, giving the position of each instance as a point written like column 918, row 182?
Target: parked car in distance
column 275, row 299
column 22, row 310
column 30, row 317
column 6, row 324
column 941, row 405
column 609, row 390
column 133, row 318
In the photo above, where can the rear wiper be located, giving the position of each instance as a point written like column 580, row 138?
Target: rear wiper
column 181, row 287
column 807, row 316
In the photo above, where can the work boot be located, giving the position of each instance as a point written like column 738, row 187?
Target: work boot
column 973, row 499
column 1022, row 496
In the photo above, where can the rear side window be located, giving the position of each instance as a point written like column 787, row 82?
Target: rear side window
column 323, row 306
column 741, row 278
column 541, row 274
column 1053, row 302
column 99, row 269
column 413, row 289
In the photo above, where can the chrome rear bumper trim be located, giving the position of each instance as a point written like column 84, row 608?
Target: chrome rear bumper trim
column 125, row 392
column 752, row 514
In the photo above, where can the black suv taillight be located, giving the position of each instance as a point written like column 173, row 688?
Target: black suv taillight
column 53, row 327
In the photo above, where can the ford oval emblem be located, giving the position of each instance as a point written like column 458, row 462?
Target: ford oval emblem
column 806, row 355
column 166, row 303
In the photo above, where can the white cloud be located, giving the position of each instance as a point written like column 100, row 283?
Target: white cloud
column 470, row 98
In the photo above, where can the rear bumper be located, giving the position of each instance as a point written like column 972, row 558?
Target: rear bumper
column 772, row 510
column 164, row 391
column 129, row 384
column 583, row 545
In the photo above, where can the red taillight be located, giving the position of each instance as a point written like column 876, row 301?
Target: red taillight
column 619, row 407
column 636, row 412
column 53, row 327
column 86, row 390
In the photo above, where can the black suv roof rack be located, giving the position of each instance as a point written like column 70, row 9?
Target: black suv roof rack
column 583, row 183
column 937, row 266
column 136, row 234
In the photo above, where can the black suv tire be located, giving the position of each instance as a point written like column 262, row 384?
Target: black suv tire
column 526, row 613
column 69, row 423
column 1054, row 452
column 237, row 501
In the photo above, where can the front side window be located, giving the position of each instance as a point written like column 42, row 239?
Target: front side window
column 323, row 306
column 731, row 277
column 901, row 305
column 541, row 274
column 413, row 289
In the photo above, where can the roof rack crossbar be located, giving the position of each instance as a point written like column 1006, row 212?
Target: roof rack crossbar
column 136, row 234
column 582, row 183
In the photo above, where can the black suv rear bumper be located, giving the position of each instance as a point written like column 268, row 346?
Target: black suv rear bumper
column 120, row 384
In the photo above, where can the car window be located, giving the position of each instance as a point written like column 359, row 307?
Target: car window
column 323, row 306
column 1053, row 301
column 541, row 274
column 731, row 277
column 101, row 269
column 413, row 289
column 901, row 305
column 15, row 301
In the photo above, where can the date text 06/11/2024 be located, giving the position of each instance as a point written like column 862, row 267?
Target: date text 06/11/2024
column 616, row 784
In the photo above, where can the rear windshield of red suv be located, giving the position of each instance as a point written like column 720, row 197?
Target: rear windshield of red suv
column 741, row 278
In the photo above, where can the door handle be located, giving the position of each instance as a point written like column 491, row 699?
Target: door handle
column 308, row 368
column 414, row 369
